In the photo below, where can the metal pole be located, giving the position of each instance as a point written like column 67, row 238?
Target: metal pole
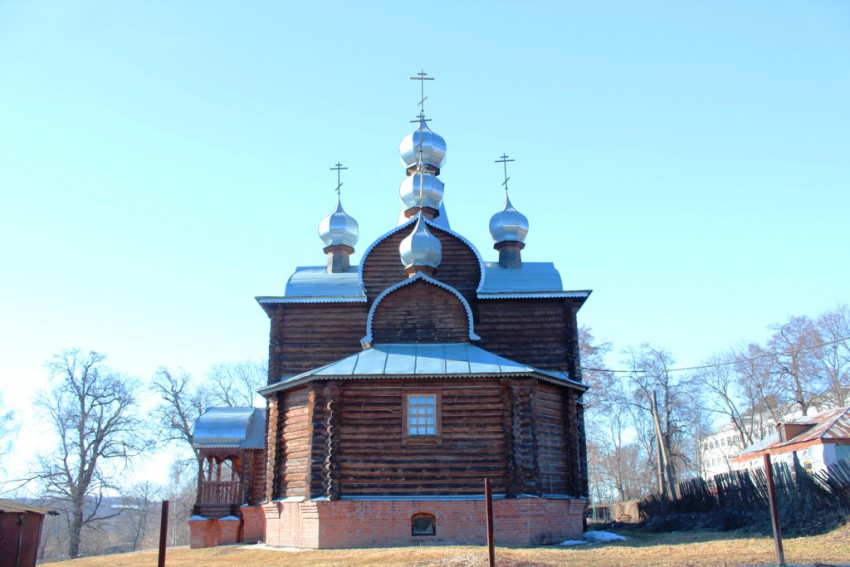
column 488, row 496
column 774, row 511
column 163, row 534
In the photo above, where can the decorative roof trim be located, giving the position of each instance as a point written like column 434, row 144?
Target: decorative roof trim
column 418, row 276
column 263, row 300
column 298, row 380
column 583, row 294
column 431, row 224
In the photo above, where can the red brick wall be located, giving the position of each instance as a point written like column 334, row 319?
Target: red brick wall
column 341, row 524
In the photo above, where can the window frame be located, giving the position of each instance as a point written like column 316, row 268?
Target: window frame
column 408, row 438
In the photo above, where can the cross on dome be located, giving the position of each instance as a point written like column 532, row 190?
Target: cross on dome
column 504, row 160
column 338, row 167
column 422, row 76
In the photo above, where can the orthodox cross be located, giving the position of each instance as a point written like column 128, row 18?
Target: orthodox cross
column 338, row 168
column 422, row 76
column 504, row 160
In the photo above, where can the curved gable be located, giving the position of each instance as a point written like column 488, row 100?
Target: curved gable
column 419, row 310
column 461, row 267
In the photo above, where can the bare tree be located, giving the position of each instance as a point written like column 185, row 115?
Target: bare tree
column 8, row 429
column 833, row 358
column 236, row 384
column 181, row 404
column 92, row 410
column 794, row 361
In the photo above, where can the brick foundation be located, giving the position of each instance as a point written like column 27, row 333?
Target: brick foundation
column 209, row 532
column 379, row 523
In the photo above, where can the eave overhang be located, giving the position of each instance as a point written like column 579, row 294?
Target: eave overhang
column 423, row 361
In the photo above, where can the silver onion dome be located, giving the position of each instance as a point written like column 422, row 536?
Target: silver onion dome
column 420, row 247
column 433, row 147
column 421, row 189
column 339, row 228
column 508, row 225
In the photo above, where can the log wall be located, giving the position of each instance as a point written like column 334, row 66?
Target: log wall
column 458, row 268
column 305, row 336
column 420, row 313
column 550, row 413
column 292, row 454
column 374, row 460
column 529, row 331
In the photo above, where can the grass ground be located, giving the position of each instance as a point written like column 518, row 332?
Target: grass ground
column 676, row 549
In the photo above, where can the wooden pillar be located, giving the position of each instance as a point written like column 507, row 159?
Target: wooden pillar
column 332, row 394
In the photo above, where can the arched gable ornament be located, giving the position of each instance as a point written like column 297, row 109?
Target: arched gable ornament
column 430, row 224
column 366, row 341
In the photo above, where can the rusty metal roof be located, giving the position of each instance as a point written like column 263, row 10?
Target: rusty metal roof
column 829, row 425
column 244, row 428
column 420, row 360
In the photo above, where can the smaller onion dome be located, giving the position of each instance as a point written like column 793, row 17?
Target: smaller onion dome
column 508, row 225
column 421, row 189
column 433, row 147
column 339, row 228
column 420, row 247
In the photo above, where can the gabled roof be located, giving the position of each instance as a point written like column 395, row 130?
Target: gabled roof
column 244, row 428
column 828, row 426
column 420, row 360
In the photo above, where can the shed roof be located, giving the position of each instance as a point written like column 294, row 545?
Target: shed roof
column 14, row 507
column 420, row 360
column 244, row 428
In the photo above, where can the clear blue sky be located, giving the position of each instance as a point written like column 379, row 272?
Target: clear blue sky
column 162, row 163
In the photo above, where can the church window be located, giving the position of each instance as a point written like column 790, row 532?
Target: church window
column 423, row 525
column 422, row 416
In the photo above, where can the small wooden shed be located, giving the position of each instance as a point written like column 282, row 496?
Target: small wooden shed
column 20, row 532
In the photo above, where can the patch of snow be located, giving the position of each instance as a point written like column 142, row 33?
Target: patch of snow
column 599, row 536
column 229, row 519
column 594, row 536
column 198, row 518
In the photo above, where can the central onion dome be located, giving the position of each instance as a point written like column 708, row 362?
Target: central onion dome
column 420, row 248
column 339, row 228
column 508, row 225
column 431, row 146
column 420, row 190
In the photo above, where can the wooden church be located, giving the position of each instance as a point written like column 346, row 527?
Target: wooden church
column 397, row 386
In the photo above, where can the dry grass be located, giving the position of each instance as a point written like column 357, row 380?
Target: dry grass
column 677, row 549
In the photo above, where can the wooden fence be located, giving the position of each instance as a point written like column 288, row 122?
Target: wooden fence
column 747, row 491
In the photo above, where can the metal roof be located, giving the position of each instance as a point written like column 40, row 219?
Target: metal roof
column 530, row 277
column 310, row 281
column 230, row 427
column 419, row 360
column 830, row 425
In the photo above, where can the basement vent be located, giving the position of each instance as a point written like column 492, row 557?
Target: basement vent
column 423, row 525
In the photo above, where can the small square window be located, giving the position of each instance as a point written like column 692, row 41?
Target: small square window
column 421, row 417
